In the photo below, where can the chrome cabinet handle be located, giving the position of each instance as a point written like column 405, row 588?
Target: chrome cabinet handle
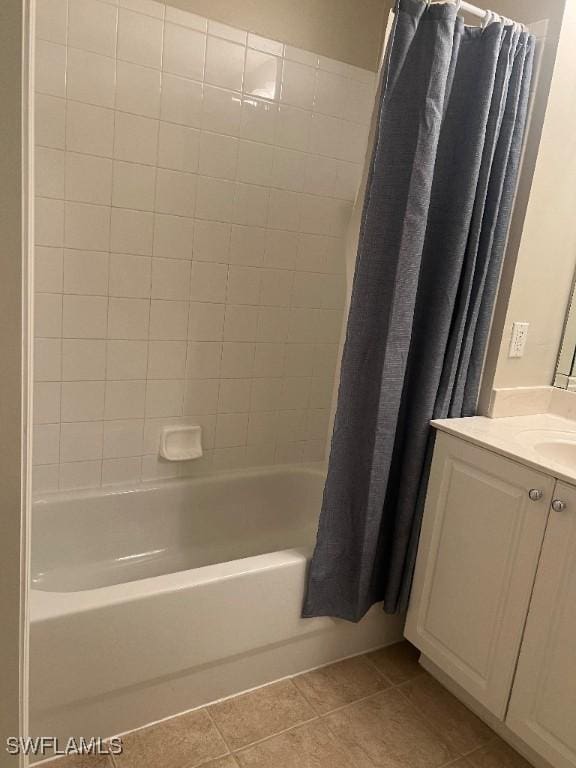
column 558, row 505
column 535, row 494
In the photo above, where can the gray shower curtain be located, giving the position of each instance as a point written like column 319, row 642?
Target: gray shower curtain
column 437, row 207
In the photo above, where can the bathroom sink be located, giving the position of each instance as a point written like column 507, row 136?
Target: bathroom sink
column 558, row 446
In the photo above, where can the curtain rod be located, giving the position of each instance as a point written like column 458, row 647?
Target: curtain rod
column 473, row 10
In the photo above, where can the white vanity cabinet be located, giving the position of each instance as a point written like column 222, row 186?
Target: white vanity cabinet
column 543, row 704
column 493, row 603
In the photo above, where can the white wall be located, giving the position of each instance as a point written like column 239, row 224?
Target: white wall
column 192, row 209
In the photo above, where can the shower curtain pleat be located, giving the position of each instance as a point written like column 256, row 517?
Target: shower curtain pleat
column 436, row 212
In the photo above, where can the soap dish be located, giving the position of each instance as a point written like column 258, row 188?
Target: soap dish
column 181, row 443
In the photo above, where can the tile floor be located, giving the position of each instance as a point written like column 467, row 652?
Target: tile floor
column 381, row 710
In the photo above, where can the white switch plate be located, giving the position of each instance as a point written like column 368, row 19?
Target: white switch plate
column 518, row 340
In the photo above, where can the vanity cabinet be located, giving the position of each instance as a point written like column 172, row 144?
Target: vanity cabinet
column 543, row 704
column 493, row 602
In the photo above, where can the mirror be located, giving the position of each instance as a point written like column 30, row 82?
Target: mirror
column 566, row 368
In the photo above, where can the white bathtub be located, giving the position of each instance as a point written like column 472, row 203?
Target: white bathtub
column 149, row 601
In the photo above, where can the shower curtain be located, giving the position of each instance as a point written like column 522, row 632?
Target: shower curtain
column 437, row 207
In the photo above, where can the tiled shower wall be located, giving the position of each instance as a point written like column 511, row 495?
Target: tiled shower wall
column 194, row 184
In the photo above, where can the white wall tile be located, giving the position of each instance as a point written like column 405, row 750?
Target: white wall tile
column 48, row 315
column 175, row 192
column 90, row 78
column 92, row 26
column 181, row 101
column 258, row 119
column 87, row 226
column 201, row 396
column 83, row 400
column 168, row 319
column 262, row 74
column 178, row 147
column 130, row 276
column 218, row 155
column 84, row 317
column 80, row 474
column 166, row 360
column 49, row 170
column 47, row 359
column 45, row 479
column 251, row 205
column 86, row 272
column 46, row 402
column 186, row 19
column 247, row 245
column 184, row 51
column 50, row 68
column 133, row 186
column 231, row 429
column 89, row 129
column 205, row 321
column 298, row 84
column 173, row 236
column 240, row 323
column 234, row 396
column 46, row 444
column 49, row 122
column 128, row 318
column 121, row 471
column 48, row 269
column 203, row 360
column 170, row 279
column 49, row 222
column 132, row 231
column 81, row 441
column 139, row 38
column 83, row 359
column 88, row 179
column 224, row 63
column 237, row 360
column 137, row 89
column 125, row 400
column 265, row 44
column 215, row 199
column 214, row 298
column 211, row 241
column 208, row 282
column 52, row 20
column 164, row 398
column 255, row 162
column 136, row 139
column 126, row 359
column 227, row 32
column 221, row 110
column 122, row 438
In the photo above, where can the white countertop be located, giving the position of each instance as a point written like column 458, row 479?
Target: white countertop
column 515, row 438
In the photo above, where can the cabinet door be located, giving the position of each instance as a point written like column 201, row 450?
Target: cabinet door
column 543, row 704
column 477, row 560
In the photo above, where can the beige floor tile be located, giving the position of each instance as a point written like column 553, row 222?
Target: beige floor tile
column 86, row 761
column 460, row 728
column 398, row 662
column 182, row 742
column 497, row 754
column 386, row 731
column 223, row 762
column 341, row 683
column 261, row 713
column 309, row 746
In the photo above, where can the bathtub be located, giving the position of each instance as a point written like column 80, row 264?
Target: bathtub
column 151, row 600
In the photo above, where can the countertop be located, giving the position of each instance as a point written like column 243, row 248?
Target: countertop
column 514, row 437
